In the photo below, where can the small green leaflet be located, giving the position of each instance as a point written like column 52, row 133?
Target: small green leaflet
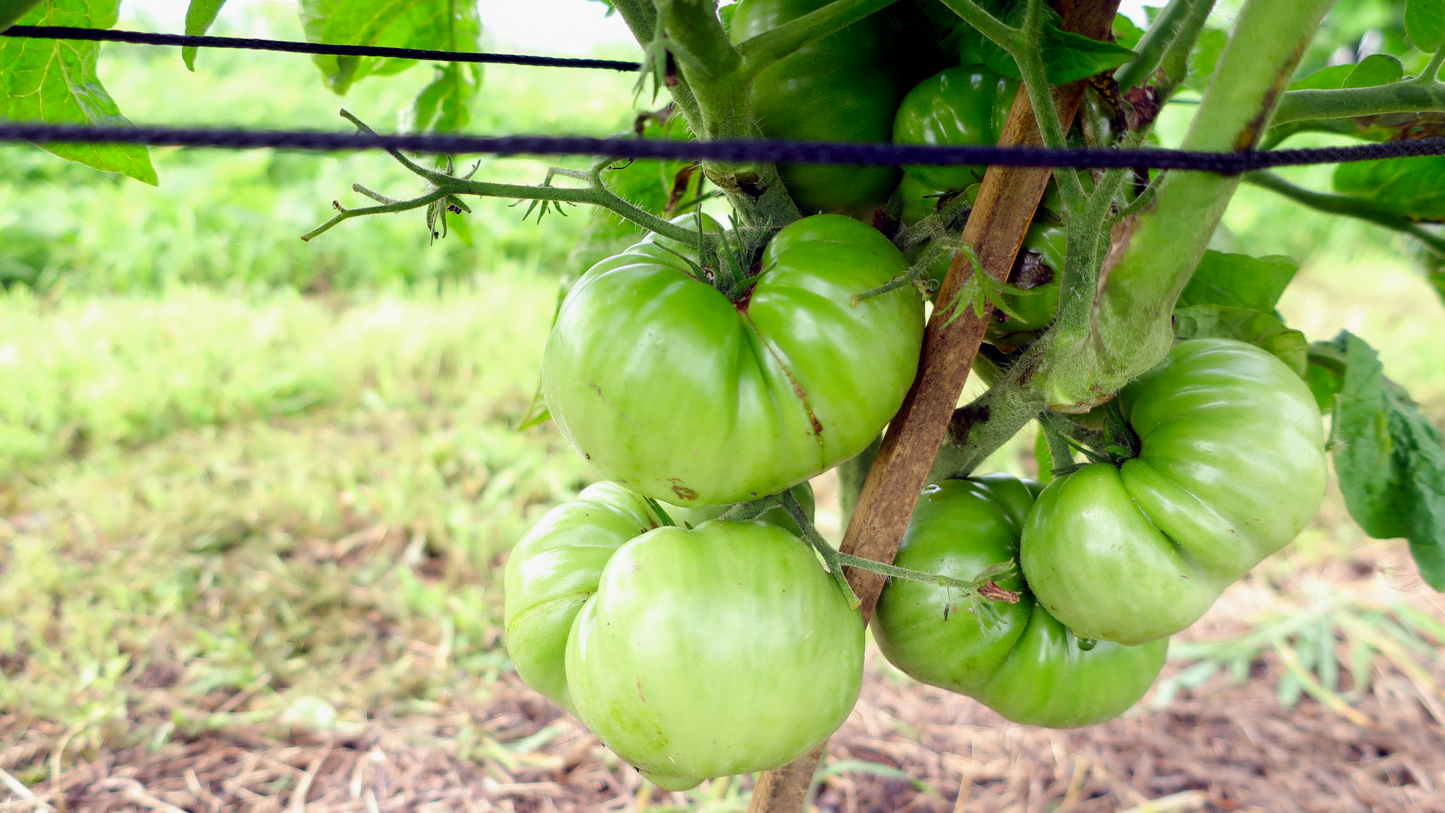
column 1376, row 69
column 54, row 81
column 442, row 105
column 199, row 17
column 1067, row 57
column 1331, row 78
column 1238, row 280
column 725, row 14
column 1232, row 296
column 1425, row 24
column 1389, row 457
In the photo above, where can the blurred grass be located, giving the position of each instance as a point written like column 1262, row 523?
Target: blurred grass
column 233, row 219
column 92, row 373
column 249, row 481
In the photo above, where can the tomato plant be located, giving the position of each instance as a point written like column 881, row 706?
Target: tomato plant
column 1017, row 659
column 712, row 364
column 1230, row 467
column 677, row 391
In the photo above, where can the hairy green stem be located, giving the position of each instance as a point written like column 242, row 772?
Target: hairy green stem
column 1358, row 208
column 1028, row 53
column 1153, row 254
column 1174, row 32
column 893, row 571
column 829, row 554
column 722, row 87
column 979, row 428
column 836, row 561
column 1418, row 95
column 641, row 19
column 744, row 511
column 445, row 185
column 770, row 46
column 1432, row 68
column 1024, row 45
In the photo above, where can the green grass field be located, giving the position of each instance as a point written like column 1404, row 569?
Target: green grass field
column 236, row 465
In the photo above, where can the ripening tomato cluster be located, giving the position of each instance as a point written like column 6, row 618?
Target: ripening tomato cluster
column 697, row 647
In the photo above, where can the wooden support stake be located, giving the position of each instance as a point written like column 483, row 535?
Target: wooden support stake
column 1001, row 215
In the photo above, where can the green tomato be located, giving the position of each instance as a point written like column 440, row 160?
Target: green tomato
column 1039, row 266
column 1025, row 665
column 669, row 388
column 961, row 106
column 919, row 199
column 721, row 650
column 1232, row 467
column 555, row 568
column 843, row 87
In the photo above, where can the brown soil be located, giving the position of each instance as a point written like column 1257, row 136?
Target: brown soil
column 1221, row 747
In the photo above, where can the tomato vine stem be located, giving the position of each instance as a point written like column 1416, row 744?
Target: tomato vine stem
column 446, row 185
column 1419, row 94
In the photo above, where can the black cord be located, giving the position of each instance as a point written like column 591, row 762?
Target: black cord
column 144, row 38
column 766, row 150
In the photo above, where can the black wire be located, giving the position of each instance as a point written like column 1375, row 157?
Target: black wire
column 765, row 150
column 287, row 46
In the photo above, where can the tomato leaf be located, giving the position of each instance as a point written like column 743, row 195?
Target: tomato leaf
column 1331, row 78
column 54, row 81
column 442, row 105
column 199, row 16
column 449, row 25
column 1390, row 460
column 1414, row 187
column 1376, row 69
column 1326, row 373
column 1425, row 24
column 1238, row 281
column 1264, row 330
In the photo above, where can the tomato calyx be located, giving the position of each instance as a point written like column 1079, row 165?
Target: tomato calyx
column 1114, row 443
